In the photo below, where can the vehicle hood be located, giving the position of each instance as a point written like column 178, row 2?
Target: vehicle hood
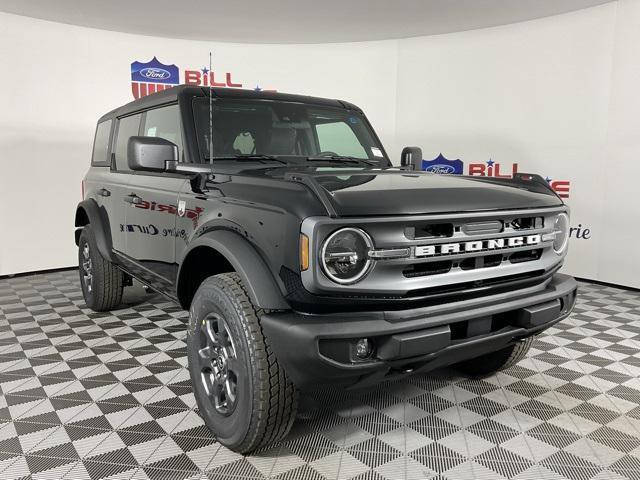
column 407, row 193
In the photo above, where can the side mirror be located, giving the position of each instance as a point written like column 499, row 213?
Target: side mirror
column 150, row 153
column 411, row 157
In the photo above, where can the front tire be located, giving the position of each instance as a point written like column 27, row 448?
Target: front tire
column 242, row 392
column 493, row 362
column 102, row 282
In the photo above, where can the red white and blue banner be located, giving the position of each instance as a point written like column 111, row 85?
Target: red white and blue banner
column 152, row 77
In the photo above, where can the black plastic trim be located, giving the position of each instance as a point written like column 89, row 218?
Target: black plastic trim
column 311, row 183
column 256, row 277
column 306, row 366
column 99, row 221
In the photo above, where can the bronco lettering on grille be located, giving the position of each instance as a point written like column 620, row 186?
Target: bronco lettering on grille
column 477, row 245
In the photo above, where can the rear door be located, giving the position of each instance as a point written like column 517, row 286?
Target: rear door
column 151, row 222
column 99, row 183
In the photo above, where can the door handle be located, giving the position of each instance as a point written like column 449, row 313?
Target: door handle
column 133, row 199
column 103, row 192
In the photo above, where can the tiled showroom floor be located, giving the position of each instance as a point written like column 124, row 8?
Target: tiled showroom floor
column 88, row 395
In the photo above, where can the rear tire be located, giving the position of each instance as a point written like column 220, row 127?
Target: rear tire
column 102, row 282
column 242, row 392
column 493, row 362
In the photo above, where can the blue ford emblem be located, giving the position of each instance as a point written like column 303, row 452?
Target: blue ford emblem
column 155, row 73
column 441, row 169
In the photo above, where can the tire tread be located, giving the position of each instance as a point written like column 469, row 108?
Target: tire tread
column 277, row 398
column 108, row 279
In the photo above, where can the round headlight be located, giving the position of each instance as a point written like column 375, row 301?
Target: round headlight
column 561, row 230
column 345, row 255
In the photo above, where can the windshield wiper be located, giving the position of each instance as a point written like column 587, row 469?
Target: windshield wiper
column 245, row 157
column 340, row 159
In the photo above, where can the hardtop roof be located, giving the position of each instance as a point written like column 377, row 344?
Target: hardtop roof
column 172, row 94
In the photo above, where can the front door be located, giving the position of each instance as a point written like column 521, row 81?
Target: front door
column 151, row 227
column 151, row 218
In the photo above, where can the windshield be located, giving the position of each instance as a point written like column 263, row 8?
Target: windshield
column 287, row 131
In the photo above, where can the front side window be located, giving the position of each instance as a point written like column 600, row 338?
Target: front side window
column 164, row 122
column 127, row 127
column 101, row 144
column 290, row 131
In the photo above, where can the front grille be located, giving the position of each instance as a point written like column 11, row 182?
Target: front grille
column 483, row 228
column 429, row 230
column 443, row 248
column 525, row 256
column 471, row 263
column 469, row 287
column 480, row 262
column 418, row 254
column 432, row 268
column 527, row 223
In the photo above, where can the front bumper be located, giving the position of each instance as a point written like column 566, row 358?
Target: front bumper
column 320, row 349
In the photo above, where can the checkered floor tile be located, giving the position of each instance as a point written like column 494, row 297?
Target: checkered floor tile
column 107, row 395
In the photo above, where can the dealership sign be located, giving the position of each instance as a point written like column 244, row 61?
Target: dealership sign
column 154, row 76
column 580, row 232
column 493, row 169
column 496, row 170
column 443, row 166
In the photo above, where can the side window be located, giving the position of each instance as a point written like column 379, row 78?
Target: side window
column 338, row 137
column 127, row 127
column 164, row 122
column 101, row 144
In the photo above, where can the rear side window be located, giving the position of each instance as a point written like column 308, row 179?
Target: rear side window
column 164, row 122
column 127, row 127
column 100, row 155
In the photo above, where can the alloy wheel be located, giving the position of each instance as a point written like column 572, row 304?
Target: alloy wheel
column 219, row 365
column 87, row 267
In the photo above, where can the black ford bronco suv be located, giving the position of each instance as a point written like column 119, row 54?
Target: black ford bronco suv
column 304, row 257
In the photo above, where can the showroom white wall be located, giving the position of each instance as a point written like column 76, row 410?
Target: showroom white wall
column 619, row 255
column 556, row 96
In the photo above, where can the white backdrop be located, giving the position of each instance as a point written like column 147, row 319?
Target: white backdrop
column 556, row 96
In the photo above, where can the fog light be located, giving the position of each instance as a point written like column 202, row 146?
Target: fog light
column 363, row 348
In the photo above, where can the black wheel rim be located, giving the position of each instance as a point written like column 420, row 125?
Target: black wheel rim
column 218, row 363
column 86, row 267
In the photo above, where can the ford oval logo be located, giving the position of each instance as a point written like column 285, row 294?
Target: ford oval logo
column 155, row 73
column 441, row 169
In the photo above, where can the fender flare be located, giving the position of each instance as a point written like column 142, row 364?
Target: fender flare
column 99, row 221
column 245, row 260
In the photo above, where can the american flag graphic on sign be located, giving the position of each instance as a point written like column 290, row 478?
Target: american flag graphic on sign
column 152, row 77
